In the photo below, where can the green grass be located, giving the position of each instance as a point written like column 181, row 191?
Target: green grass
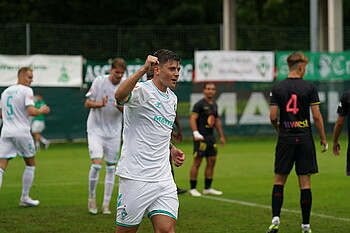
column 244, row 171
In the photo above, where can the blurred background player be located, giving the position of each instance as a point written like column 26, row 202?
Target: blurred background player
column 17, row 105
column 293, row 98
column 104, row 126
column 203, row 119
column 343, row 112
column 38, row 123
column 176, row 135
column 146, row 184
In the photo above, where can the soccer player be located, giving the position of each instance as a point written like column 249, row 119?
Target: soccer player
column 204, row 118
column 38, row 123
column 145, row 181
column 343, row 111
column 293, row 98
column 17, row 105
column 176, row 135
column 104, row 126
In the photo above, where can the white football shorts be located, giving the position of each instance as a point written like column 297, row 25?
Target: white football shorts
column 38, row 126
column 138, row 198
column 10, row 147
column 106, row 147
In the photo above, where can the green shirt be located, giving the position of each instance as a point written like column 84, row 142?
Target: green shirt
column 40, row 117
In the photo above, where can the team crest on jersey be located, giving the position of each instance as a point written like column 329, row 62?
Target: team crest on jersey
column 124, row 213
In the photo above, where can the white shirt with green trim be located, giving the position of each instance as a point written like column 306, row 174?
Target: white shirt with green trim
column 149, row 115
column 105, row 121
column 14, row 102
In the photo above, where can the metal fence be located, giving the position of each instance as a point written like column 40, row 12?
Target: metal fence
column 99, row 43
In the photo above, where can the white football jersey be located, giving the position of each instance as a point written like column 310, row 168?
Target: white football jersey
column 14, row 102
column 149, row 115
column 105, row 121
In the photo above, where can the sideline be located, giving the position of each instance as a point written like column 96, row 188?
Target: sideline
column 268, row 207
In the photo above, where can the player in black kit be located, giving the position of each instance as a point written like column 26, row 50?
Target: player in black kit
column 343, row 111
column 203, row 119
column 293, row 98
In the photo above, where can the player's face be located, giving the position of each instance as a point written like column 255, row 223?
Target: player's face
column 116, row 75
column 169, row 73
column 209, row 91
column 27, row 78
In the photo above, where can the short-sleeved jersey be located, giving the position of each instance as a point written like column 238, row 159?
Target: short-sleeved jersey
column 38, row 105
column 344, row 108
column 105, row 121
column 294, row 96
column 149, row 115
column 207, row 114
column 14, row 102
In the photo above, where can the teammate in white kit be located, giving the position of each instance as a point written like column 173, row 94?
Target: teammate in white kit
column 104, row 127
column 146, row 185
column 17, row 105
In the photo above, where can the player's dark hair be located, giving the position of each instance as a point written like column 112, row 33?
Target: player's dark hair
column 165, row 55
column 119, row 62
column 205, row 85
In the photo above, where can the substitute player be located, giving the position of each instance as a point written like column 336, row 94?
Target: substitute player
column 146, row 184
column 293, row 98
column 17, row 105
column 204, row 118
column 38, row 124
column 343, row 112
column 104, row 126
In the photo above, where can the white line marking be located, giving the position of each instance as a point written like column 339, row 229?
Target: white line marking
column 203, row 196
column 268, row 207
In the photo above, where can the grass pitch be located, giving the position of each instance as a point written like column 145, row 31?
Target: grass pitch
column 244, row 172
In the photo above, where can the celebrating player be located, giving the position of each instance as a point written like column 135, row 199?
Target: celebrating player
column 146, row 183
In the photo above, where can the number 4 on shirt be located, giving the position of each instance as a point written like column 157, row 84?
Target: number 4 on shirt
column 292, row 105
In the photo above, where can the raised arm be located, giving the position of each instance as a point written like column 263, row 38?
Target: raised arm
column 126, row 87
column 319, row 125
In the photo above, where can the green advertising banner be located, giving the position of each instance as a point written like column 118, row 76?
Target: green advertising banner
column 93, row 69
column 321, row 67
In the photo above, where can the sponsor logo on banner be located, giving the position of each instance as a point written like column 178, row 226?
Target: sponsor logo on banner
column 228, row 66
column 321, row 67
column 48, row 70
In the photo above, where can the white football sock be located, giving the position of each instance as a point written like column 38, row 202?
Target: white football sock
column 93, row 178
column 37, row 145
column 27, row 181
column 109, row 184
column 1, row 173
column 43, row 140
column 276, row 220
column 305, row 227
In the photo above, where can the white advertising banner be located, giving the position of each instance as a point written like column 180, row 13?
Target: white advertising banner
column 48, row 70
column 228, row 66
